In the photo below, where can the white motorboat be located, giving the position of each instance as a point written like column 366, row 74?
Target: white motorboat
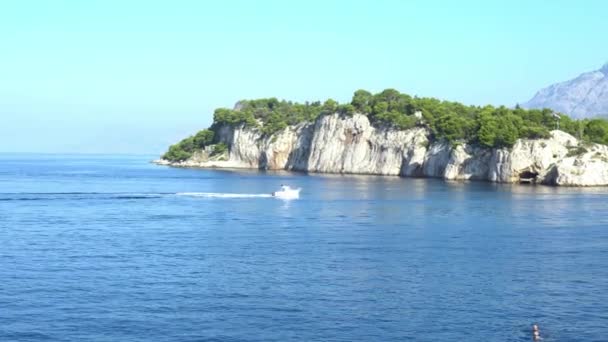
column 287, row 192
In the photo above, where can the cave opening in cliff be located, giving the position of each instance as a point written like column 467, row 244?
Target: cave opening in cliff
column 528, row 177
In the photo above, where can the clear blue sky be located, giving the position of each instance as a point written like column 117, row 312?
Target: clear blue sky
column 133, row 76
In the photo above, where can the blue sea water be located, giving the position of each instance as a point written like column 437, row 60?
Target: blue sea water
column 108, row 248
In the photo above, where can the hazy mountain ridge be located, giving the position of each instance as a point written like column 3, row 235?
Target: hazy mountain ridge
column 582, row 97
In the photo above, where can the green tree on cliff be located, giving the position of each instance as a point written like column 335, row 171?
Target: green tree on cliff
column 486, row 126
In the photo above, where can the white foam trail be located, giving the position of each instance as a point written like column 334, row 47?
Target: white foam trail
column 221, row 195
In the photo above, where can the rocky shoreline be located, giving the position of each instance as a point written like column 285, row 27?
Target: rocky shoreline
column 352, row 145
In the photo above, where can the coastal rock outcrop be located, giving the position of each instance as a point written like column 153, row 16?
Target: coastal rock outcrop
column 352, row 145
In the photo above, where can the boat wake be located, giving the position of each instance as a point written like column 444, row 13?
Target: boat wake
column 50, row 196
column 221, row 195
column 285, row 193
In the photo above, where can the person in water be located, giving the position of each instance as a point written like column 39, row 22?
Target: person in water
column 535, row 333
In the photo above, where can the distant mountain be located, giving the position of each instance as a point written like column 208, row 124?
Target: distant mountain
column 582, row 97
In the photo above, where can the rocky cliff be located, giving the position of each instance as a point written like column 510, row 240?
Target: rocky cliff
column 350, row 144
column 582, row 97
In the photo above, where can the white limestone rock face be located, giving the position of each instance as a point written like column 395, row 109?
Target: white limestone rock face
column 436, row 159
column 353, row 145
column 530, row 159
column 414, row 154
column 350, row 144
column 287, row 149
column 589, row 168
column 468, row 162
column 245, row 148
column 249, row 148
column 559, row 160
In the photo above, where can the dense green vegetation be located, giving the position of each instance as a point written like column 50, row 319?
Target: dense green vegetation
column 272, row 115
column 219, row 149
column 576, row 151
column 185, row 148
column 487, row 126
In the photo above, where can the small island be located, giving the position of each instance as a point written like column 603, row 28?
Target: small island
column 390, row 133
